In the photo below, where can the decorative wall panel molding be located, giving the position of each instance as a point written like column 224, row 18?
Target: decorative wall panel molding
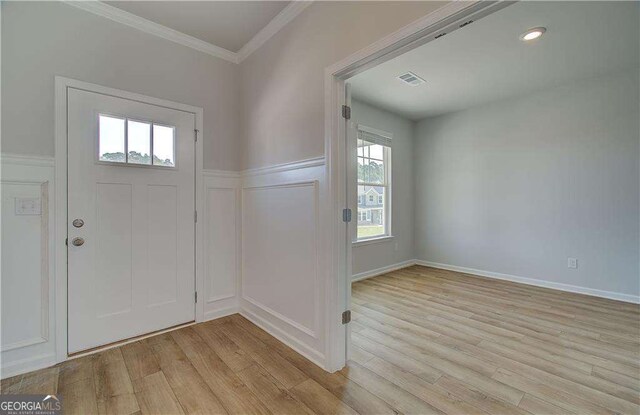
column 28, row 320
column 221, row 243
column 293, row 190
column 282, row 233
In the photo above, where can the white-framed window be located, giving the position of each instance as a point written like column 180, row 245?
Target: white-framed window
column 374, row 183
column 130, row 141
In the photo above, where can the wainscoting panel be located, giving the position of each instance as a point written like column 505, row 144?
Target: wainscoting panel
column 221, row 243
column 281, row 247
column 263, row 239
column 28, row 318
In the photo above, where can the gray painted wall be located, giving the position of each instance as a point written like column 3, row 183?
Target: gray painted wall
column 563, row 163
column 400, row 248
column 44, row 39
column 283, row 81
column 518, row 186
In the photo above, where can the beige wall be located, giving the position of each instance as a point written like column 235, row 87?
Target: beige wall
column 44, row 39
column 283, row 82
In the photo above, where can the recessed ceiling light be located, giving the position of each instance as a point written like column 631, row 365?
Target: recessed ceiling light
column 533, row 34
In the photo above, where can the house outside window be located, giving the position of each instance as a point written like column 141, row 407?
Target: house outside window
column 374, row 183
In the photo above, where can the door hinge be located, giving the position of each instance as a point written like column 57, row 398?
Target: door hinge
column 196, row 134
column 66, row 241
column 195, row 216
column 346, row 215
column 346, row 317
column 196, row 295
column 346, row 112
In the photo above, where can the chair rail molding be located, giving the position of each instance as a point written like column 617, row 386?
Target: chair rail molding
column 222, row 173
column 282, row 167
column 26, row 160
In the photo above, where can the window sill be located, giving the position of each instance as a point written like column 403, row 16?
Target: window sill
column 364, row 242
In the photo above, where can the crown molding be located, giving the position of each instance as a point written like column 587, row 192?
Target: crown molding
column 118, row 15
column 285, row 16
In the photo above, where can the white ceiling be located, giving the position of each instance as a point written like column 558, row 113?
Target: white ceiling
column 485, row 61
column 227, row 24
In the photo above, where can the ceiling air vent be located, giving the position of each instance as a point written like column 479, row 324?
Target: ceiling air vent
column 411, row 79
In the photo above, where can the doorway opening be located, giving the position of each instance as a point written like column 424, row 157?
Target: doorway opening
column 465, row 159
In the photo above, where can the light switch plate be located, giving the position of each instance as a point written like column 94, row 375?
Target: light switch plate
column 28, row 206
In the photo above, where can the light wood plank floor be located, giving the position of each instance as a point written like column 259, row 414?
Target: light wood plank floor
column 424, row 341
column 466, row 344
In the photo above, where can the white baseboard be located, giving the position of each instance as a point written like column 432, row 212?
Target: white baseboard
column 627, row 298
column 223, row 312
column 29, row 364
column 379, row 271
column 303, row 349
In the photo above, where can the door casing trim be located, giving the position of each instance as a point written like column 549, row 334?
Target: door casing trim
column 62, row 84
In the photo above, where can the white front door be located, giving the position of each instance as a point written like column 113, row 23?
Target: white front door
column 131, row 231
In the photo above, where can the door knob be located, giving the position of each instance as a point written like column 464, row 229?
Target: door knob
column 77, row 241
column 78, row 223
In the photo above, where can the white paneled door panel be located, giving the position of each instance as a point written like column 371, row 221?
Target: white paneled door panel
column 135, row 271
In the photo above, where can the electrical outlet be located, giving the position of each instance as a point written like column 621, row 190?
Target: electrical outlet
column 572, row 263
column 28, row 206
